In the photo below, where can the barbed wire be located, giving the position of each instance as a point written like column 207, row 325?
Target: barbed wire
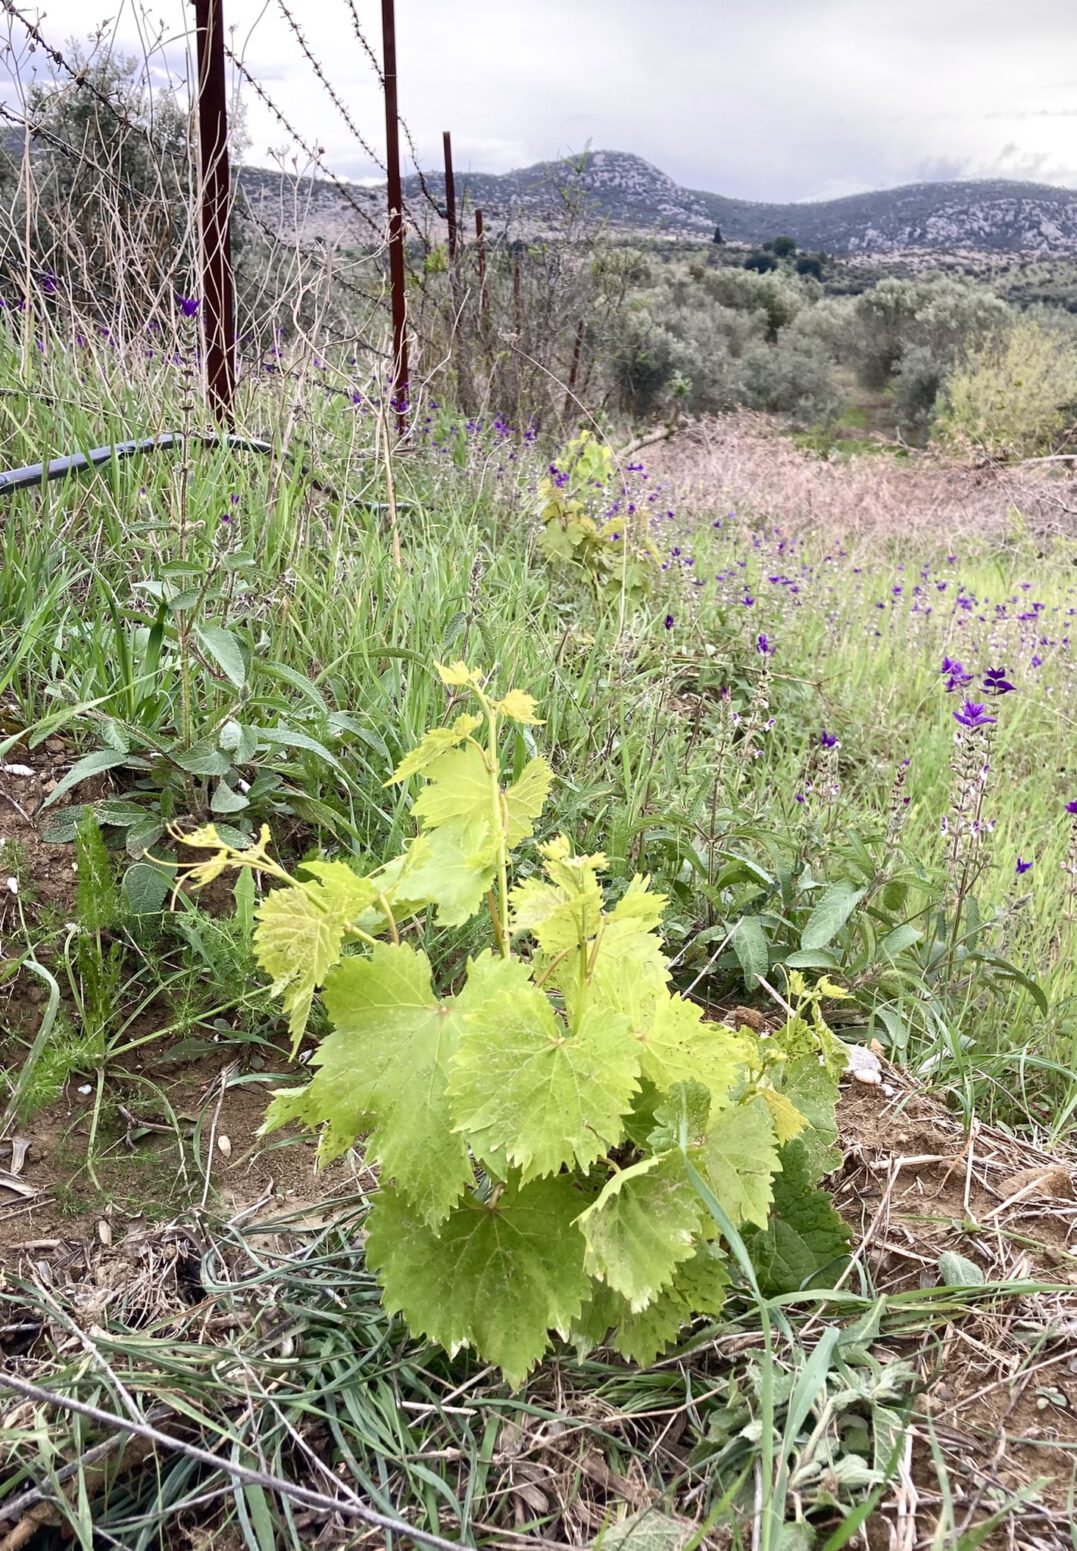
column 330, row 91
column 373, row 58
column 313, row 154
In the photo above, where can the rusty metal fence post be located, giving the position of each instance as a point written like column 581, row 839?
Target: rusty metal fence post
column 218, row 289
column 450, row 193
column 396, row 216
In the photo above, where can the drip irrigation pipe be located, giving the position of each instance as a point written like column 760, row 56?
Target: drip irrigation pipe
column 78, row 462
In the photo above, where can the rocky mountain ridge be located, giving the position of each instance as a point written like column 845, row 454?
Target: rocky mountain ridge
column 629, row 195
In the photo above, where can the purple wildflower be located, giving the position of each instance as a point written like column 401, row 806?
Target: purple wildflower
column 996, row 682
column 763, row 646
column 828, row 740
column 1021, row 866
column 973, row 714
column 1071, row 807
column 188, row 305
column 669, row 621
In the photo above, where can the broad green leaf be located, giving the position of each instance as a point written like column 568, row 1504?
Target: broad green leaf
column 292, row 738
column 203, row 758
column 900, row 939
column 525, row 800
column 741, row 1157
column 526, row 1089
column 497, row 1277
column 814, row 1092
column 957, row 1270
column 222, row 646
column 752, row 950
column 785, row 1117
column 805, row 1243
column 342, row 890
column 226, row 800
column 456, row 867
column 458, row 787
column 698, row 1288
column 296, row 941
column 90, row 764
column 830, row 915
column 435, row 743
column 145, row 888
column 680, row 1047
column 642, row 1225
column 383, row 1070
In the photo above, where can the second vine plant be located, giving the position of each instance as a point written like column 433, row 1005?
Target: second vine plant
column 564, row 1145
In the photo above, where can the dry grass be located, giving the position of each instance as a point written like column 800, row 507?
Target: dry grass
column 745, row 462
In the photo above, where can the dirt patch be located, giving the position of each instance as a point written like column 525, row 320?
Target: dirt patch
column 999, row 1408
column 44, row 874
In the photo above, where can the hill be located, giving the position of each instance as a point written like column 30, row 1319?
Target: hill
column 632, row 196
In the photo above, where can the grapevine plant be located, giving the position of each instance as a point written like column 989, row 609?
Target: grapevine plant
column 611, row 547
column 540, row 1133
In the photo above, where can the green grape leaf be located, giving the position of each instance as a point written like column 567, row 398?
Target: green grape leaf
column 433, row 745
column 343, row 891
column 698, row 1288
column 685, row 1108
column 805, row 1243
column 456, row 866
column 497, row 1277
column 296, row 941
column 740, row 1156
column 384, row 1069
column 525, row 1089
column 680, row 1047
column 565, row 910
column 644, row 1223
column 458, row 787
column 525, row 800
column 808, row 1085
column 787, row 1120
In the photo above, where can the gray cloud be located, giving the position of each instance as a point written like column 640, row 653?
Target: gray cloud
column 776, row 100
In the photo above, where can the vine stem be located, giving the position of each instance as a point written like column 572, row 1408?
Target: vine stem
column 501, row 922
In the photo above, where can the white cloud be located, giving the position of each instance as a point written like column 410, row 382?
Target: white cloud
column 772, row 100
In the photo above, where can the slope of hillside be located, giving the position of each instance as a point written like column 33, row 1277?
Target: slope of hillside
column 630, row 195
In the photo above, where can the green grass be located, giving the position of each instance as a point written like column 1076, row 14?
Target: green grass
column 339, row 644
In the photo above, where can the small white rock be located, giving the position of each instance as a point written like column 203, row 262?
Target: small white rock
column 13, row 885
column 224, row 1145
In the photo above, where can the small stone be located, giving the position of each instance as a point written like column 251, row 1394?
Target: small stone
column 224, row 1146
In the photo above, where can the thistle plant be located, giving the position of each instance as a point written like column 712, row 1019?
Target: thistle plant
column 540, row 1133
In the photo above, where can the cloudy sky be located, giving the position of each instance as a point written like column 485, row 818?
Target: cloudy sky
column 763, row 99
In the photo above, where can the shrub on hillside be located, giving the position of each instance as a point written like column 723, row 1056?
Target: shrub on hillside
column 1014, row 395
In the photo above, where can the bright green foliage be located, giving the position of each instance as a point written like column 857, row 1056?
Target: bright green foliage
column 805, row 1243
column 497, row 1275
column 615, row 553
column 533, row 1131
column 740, row 1155
column 536, row 1093
column 643, row 1224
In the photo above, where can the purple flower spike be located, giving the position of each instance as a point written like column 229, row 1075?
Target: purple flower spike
column 956, row 677
column 973, row 715
column 996, row 682
column 1021, row 866
column 1071, row 807
column 763, row 646
column 669, row 621
column 828, row 740
column 188, row 305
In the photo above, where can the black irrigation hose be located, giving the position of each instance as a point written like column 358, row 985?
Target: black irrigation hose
column 78, row 462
